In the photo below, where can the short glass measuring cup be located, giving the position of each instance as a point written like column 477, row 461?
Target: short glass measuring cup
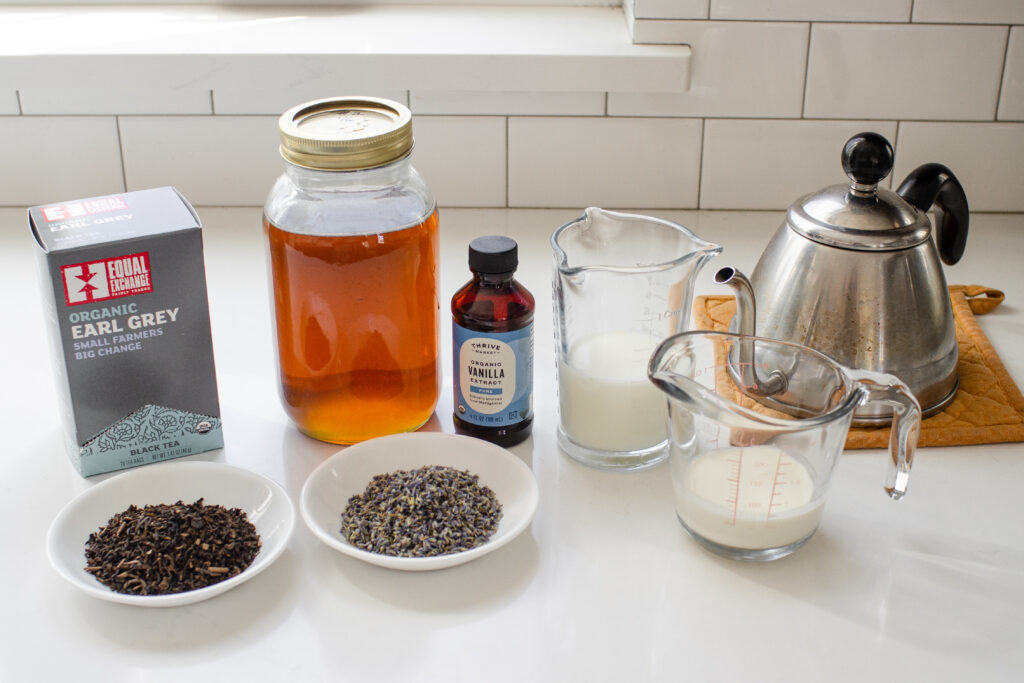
column 754, row 442
column 622, row 283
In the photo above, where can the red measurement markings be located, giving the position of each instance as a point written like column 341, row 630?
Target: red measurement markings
column 775, row 487
column 735, row 480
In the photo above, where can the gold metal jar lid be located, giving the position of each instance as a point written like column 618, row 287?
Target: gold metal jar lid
column 346, row 133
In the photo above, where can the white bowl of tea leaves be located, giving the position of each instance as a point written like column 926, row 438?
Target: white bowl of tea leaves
column 171, row 534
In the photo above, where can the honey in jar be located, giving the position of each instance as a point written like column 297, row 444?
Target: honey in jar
column 352, row 231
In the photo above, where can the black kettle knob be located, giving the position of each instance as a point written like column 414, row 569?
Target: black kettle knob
column 867, row 158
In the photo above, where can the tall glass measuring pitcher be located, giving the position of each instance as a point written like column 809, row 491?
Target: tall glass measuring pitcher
column 757, row 425
column 622, row 283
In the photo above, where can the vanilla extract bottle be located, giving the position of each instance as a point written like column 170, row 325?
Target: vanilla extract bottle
column 492, row 346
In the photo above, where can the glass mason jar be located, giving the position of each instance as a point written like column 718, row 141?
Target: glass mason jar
column 352, row 231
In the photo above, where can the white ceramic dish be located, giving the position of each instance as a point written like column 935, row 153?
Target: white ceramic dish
column 347, row 472
column 266, row 504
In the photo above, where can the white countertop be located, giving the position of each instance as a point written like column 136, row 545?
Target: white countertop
column 605, row 586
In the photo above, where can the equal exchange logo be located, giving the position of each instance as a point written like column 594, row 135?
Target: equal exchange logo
column 87, row 207
column 110, row 278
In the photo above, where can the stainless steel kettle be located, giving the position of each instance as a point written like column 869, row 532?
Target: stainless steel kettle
column 853, row 272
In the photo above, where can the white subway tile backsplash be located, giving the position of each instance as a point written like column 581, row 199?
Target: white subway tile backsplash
column 233, row 160
column 765, row 164
column 278, row 101
column 212, row 160
column 969, row 12
column 890, row 71
column 87, row 101
column 748, row 69
column 608, row 162
column 507, row 103
column 774, row 89
column 9, row 103
column 812, row 10
column 462, row 158
column 987, row 158
column 53, row 158
column 670, row 9
column 1011, row 97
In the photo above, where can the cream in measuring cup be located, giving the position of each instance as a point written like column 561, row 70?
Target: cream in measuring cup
column 755, row 428
column 748, row 497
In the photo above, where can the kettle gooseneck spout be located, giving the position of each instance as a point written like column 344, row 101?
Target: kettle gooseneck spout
column 746, row 324
column 745, row 318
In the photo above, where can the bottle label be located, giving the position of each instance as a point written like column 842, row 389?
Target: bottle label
column 493, row 375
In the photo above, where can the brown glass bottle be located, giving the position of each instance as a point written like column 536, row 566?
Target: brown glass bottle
column 492, row 346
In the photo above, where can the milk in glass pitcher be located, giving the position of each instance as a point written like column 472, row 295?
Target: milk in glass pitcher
column 622, row 283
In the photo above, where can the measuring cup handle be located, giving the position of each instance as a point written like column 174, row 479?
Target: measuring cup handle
column 906, row 425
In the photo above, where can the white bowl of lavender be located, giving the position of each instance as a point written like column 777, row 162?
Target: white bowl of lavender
column 170, row 534
column 419, row 501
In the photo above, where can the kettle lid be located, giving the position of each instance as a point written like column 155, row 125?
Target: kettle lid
column 861, row 215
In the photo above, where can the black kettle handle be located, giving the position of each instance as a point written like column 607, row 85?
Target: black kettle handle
column 933, row 186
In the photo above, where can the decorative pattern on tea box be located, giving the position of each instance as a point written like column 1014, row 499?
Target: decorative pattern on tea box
column 149, row 424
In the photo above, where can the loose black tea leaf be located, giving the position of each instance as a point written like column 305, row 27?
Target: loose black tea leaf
column 434, row 510
column 161, row 549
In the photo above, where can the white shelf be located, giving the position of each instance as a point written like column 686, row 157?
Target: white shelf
column 408, row 47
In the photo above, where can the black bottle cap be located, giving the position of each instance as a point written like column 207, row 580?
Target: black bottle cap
column 493, row 254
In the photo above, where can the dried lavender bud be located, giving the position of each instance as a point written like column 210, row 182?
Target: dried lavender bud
column 161, row 549
column 434, row 510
